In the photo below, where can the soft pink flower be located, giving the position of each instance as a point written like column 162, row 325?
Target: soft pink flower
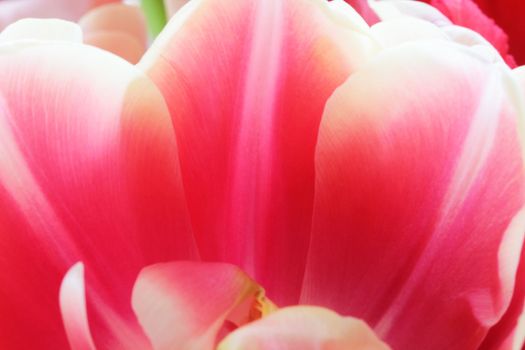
column 375, row 171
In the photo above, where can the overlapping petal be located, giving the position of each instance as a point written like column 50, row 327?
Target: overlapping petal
column 118, row 28
column 303, row 328
column 454, row 16
column 506, row 14
column 418, row 220
column 118, row 43
column 246, row 83
column 509, row 332
column 88, row 172
column 188, row 306
column 466, row 13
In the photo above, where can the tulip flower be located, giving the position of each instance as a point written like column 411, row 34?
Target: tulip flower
column 270, row 174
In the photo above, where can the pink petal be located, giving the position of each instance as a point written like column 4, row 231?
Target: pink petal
column 303, row 328
column 417, row 227
column 117, row 28
column 73, row 309
column 119, row 43
column 509, row 332
column 117, row 17
column 246, row 83
column 88, row 172
column 184, row 305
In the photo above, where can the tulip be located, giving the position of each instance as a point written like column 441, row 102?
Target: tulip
column 267, row 175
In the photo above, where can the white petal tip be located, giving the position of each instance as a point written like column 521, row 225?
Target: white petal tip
column 72, row 300
column 41, row 30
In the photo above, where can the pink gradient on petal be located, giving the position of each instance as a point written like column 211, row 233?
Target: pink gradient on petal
column 88, row 172
column 246, row 85
column 509, row 332
column 183, row 305
column 418, row 192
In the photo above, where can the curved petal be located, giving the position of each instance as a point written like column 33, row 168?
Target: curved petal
column 117, row 17
column 461, row 13
column 32, row 30
column 246, row 84
column 467, row 14
column 88, row 172
column 119, row 43
column 303, row 328
column 509, row 332
column 507, row 15
column 394, row 32
column 418, row 219
column 12, row 11
column 401, row 29
column 72, row 299
column 184, row 305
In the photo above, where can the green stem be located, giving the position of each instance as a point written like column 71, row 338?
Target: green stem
column 155, row 15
